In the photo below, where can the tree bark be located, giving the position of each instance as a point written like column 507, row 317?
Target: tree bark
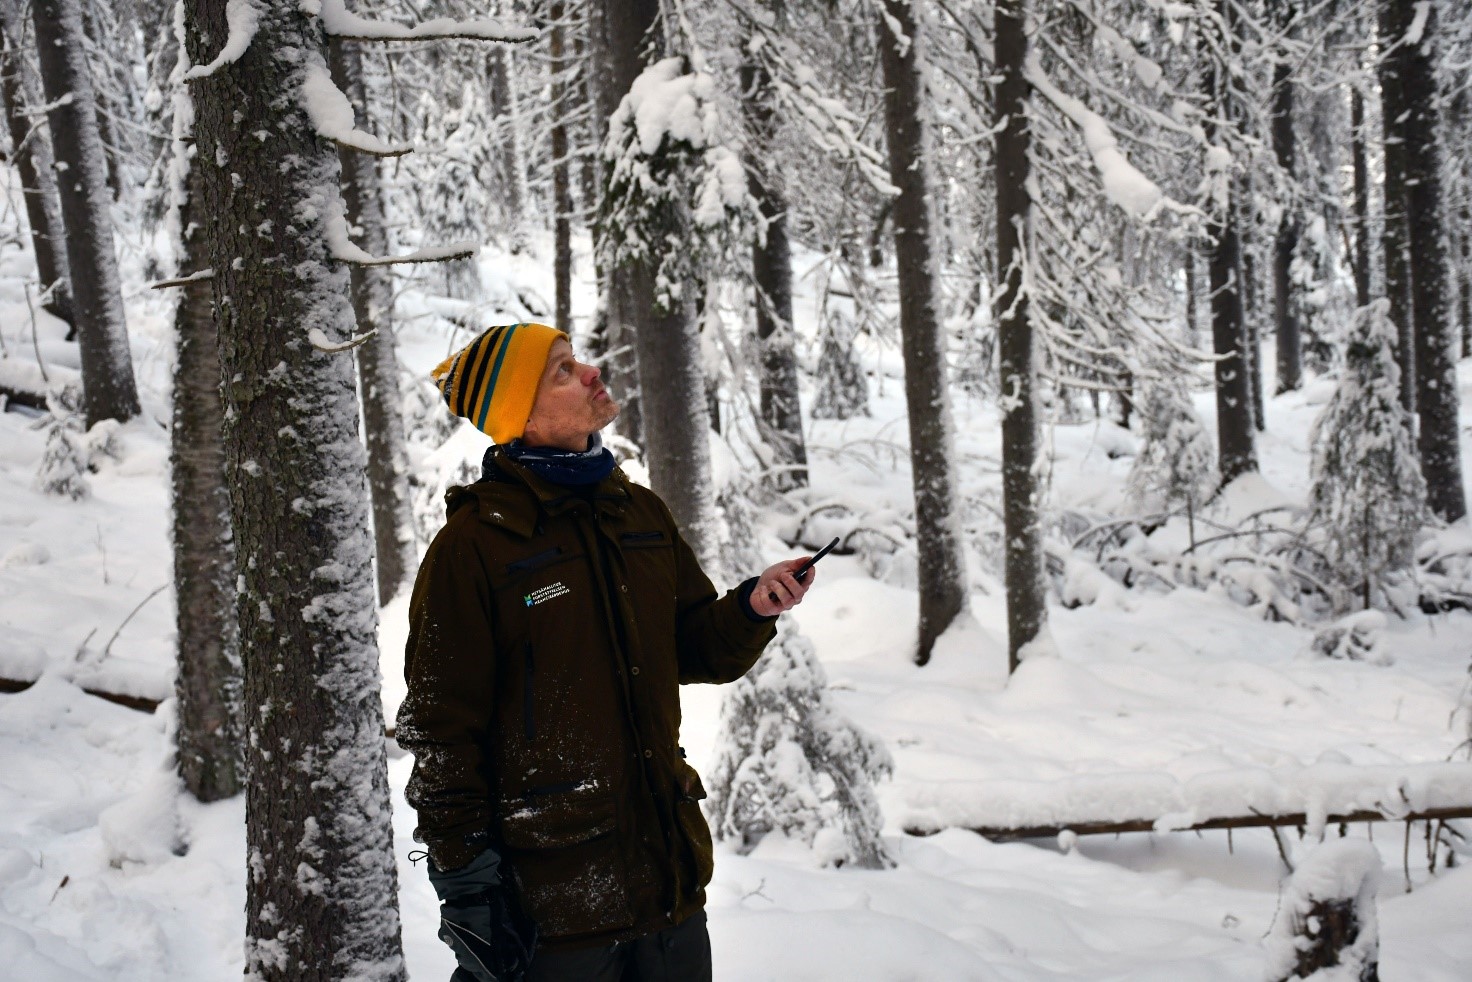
column 622, row 30
column 942, row 567
column 1193, row 327
column 97, row 298
column 1394, row 20
column 1285, row 316
column 1361, row 169
column 1236, row 450
column 1026, row 598
column 1437, row 399
column 34, row 165
column 378, row 363
column 322, row 891
column 771, row 274
column 207, row 687
column 561, row 171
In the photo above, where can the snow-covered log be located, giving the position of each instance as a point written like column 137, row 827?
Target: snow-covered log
column 1315, row 796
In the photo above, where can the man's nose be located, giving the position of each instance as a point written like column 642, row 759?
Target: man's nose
column 591, row 374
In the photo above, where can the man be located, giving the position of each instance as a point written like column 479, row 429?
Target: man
column 553, row 619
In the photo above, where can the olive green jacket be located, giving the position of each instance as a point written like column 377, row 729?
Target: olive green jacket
column 550, row 630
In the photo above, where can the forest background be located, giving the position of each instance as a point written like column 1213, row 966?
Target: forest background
column 1118, row 343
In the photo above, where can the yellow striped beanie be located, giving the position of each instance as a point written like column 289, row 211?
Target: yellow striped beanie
column 492, row 381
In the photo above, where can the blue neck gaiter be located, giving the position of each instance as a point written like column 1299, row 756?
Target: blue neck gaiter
column 569, row 468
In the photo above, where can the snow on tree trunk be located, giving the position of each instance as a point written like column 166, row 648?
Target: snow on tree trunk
column 1394, row 18
column 207, row 686
column 771, row 274
column 97, row 298
column 1285, row 242
column 558, row 66
column 1367, row 490
column 321, row 891
column 1437, row 400
column 788, row 762
column 20, row 90
column 1026, row 601
column 942, row 568
column 1360, row 167
column 1234, row 421
column 378, row 363
column 1327, row 929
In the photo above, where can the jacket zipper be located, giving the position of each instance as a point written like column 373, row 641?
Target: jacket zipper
column 528, row 719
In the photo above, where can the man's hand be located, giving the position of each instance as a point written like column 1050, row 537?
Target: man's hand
column 778, row 590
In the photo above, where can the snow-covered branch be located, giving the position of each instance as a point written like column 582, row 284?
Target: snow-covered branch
column 332, row 116
column 340, row 23
column 343, row 249
column 1122, row 181
column 242, row 17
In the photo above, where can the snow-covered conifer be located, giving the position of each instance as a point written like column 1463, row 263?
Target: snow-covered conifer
column 63, row 469
column 843, row 391
column 789, row 762
column 1368, row 496
column 1176, row 466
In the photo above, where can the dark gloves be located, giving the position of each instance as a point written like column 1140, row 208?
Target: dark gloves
column 491, row 939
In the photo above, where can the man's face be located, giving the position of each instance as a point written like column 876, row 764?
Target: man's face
column 571, row 403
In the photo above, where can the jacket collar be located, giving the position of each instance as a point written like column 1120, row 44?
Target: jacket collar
column 505, row 500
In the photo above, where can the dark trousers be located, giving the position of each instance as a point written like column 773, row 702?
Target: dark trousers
column 676, row 954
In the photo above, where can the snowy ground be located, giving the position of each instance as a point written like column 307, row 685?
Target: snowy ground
column 1144, row 685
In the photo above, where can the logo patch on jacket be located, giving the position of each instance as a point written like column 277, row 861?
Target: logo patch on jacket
column 542, row 594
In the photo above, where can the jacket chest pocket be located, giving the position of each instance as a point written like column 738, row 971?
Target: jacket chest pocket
column 542, row 605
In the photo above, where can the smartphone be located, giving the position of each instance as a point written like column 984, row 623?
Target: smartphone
column 803, row 569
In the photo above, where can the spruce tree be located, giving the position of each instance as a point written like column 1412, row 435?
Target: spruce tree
column 1368, row 496
column 788, row 762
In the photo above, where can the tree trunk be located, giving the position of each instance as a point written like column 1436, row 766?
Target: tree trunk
column 1361, row 167
column 621, row 30
column 378, row 363
column 108, row 38
column 34, row 165
column 322, row 891
column 208, row 684
column 1436, row 368
column 1394, row 19
column 771, row 274
column 1026, row 598
column 506, row 150
column 1285, row 317
column 1236, row 452
column 561, row 172
column 1193, row 328
column 97, row 298
column 942, row 567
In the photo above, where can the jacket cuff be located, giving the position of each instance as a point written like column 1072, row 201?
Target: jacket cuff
column 471, row 879
column 454, row 853
column 743, row 597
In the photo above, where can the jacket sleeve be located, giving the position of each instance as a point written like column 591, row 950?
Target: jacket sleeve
column 449, row 665
column 717, row 641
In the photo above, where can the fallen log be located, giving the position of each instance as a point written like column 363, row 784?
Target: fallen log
column 1258, row 820
column 141, row 704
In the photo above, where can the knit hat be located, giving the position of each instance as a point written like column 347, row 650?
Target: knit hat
column 492, row 381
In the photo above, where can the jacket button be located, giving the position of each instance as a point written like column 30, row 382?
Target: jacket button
column 648, row 754
column 625, row 588
column 634, row 670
